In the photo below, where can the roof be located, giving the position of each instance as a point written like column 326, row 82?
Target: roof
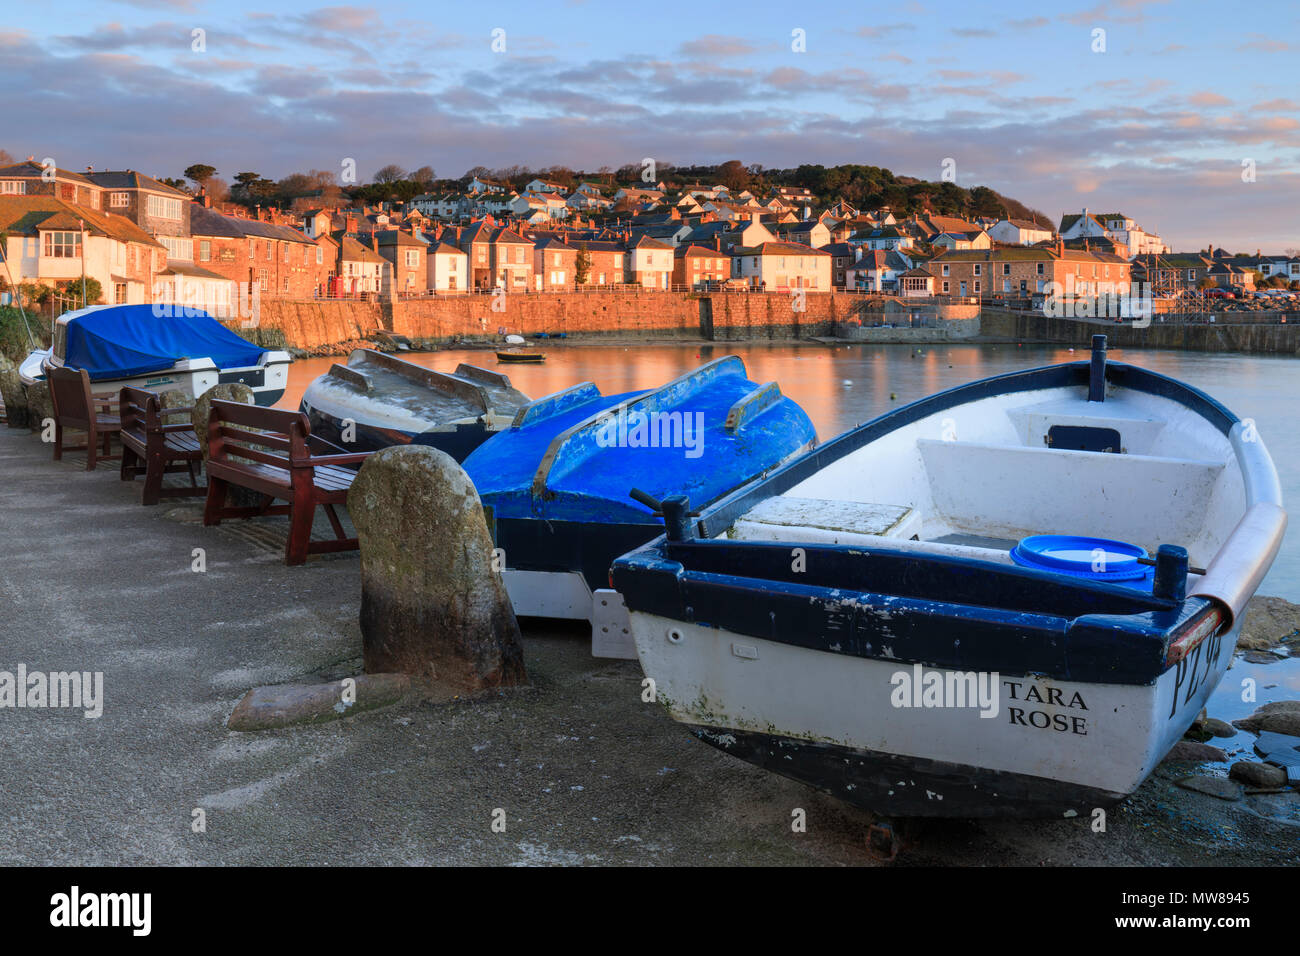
column 209, row 222
column 130, row 179
column 1026, row 224
column 395, row 237
column 697, row 251
column 26, row 215
column 30, row 169
column 446, row 248
column 190, row 269
column 354, row 251
column 646, row 242
column 779, row 249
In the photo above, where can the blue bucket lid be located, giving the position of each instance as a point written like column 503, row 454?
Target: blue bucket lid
column 1099, row 559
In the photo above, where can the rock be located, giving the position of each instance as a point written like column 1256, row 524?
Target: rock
column 1212, row 786
column 1189, row 751
column 1257, row 774
column 175, row 398
column 1278, row 722
column 230, row 392
column 263, row 708
column 236, row 497
column 14, row 398
column 431, row 604
column 1267, row 622
column 1219, row 728
column 39, row 406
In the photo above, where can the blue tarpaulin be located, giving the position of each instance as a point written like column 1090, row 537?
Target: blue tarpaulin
column 123, row 341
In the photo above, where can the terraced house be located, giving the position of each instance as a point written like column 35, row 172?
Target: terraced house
column 989, row 273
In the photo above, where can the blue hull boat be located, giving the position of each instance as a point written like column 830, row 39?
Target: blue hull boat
column 557, row 482
column 1007, row 599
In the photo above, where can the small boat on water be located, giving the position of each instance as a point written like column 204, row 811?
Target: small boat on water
column 120, row 345
column 884, row 618
column 382, row 401
column 556, row 481
column 520, row 355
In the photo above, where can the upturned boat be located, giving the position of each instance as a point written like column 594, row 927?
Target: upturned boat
column 1010, row 598
column 376, row 400
column 556, row 481
column 121, row 345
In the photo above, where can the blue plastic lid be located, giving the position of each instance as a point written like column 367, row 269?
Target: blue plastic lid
column 1098, row 559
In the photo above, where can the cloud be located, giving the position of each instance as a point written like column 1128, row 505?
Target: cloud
column 1208, row 98
column 716, row 45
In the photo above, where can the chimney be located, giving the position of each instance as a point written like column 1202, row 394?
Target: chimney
column 207, row 201
column 1060, row 246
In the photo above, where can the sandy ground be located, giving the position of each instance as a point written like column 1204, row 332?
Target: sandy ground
column 583, row 770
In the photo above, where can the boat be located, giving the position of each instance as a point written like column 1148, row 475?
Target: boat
column 376, row 400
column 555, row 482
column 521, row 355
column 120, row 345
column 1010, row 598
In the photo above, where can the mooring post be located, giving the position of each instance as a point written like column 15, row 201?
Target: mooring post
column 1171, row 573
column 432, row 604
column 1097, row 371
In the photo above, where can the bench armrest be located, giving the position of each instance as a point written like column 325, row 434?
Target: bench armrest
column 349, row 459
column 177, row 427
column 178, row 410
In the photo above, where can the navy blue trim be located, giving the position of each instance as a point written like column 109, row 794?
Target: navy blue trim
column 717, row 518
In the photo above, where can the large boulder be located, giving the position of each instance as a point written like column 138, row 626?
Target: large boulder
column 14, row 397
column 176, row 398
column 39, row 406
column 236, row 497
column 432, row 605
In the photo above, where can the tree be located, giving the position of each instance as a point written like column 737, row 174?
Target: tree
column 175, row 183
column 1206, row 282
column 5, row 158
column 424, row 175
column 582, row 266
column 199, row 174
column 389, row 174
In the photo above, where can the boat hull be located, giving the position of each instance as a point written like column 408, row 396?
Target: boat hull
column 267, row 381
column 860, row 728
column 457, row 440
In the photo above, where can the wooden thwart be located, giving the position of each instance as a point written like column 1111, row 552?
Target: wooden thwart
column 243, row 441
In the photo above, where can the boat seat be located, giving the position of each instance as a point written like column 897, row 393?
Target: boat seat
column 823, row 520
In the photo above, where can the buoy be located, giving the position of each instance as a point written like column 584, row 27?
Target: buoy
column 848, row 382
column 892, row 396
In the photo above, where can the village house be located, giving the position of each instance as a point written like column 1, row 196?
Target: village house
column 883, row 237
column 30, row 178
column 728, row 235
column 808, row 232
column 406, row 253
column 878, row 270
column 277, row 260
column 512, row 261
column 1020, row 232
column 1115, row 226
column 545, row 186
column 554, row 264
column 605, row 262
column 1018, row 271
column 448, row 268
column 650, row 263
column 698, row 267
column 158, row 209
column 917, row 283
column 842, row 256
column 50, row 241
column 360, row 268
column 782, row 266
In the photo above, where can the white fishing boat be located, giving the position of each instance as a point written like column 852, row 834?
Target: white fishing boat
column 121, row 345
column 377, row 400
column 1010, row 598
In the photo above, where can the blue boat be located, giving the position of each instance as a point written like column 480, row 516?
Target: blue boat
column 556, row 482
column 1007, row 599
column 158, row 349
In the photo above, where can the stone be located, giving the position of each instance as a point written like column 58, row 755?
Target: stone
column 1212, row 786
column 39, row 405
column 1257, row 774
column 1274, row 721
column 432, row 605
column 175, row 398
column 14, row 397
column 1267, row 622
column 230, row 392
column 264, row 708
column 1219, row 728
column 236, row 497
column 1189, row 751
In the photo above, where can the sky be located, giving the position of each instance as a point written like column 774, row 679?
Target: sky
column 1182, row 115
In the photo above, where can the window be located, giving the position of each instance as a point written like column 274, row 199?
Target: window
column 62, row 245
column 270, row 253
column 162, row 207
column 286, row 252
column 94, row 199
column 251, row 245
column 284, row 285
column 978, row 268
column 451, row 264
column 519, row 255
column 412, row 258
column 261, row 279
column 977, row 288
column 119, row 293
column 12, row 187
column 1040, row 268
column 205, row 250
column 119, row 200
column 320, row 255
column 945, row 287
column 1006, row 268
column 618, row 260
column 178, row 248
column 945, row 269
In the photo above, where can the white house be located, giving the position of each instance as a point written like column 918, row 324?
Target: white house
column 448, row 268
column 1020, row 232
column 650, row 263
column 876, row 271
column 1114, row 226
column 782, row 266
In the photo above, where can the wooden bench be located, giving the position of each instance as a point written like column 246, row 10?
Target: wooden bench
column 163, row 449
column 269, row 451
column 76, row 408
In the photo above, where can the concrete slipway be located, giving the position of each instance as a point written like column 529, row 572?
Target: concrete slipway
column 585, row 772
